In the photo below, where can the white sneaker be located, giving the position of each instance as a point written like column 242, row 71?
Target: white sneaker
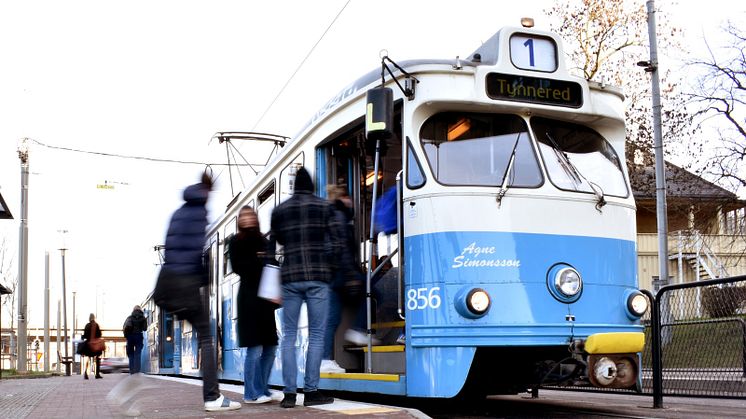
column 359, row 338
column 276, row 395
column 258, row 400
column 331, row 366
column 221, row 404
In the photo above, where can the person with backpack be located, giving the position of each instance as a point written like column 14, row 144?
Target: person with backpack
column 132, row 329
column 182, row 276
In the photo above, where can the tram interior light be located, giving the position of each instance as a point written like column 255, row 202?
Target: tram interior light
column 458, row 129
column 369, row 178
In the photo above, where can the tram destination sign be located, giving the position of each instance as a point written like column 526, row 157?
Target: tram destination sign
column 534, row 90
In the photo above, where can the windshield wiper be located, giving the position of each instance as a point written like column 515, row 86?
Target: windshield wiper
column 508, row 168
column 575, row 174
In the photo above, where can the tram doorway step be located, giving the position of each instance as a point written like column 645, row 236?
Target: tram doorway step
column 386, row 359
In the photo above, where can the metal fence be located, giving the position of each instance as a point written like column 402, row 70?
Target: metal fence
column 698, row 340
column 695, row 341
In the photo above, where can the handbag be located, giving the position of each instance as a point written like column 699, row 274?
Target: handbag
column 269, row 284
column 96, row 345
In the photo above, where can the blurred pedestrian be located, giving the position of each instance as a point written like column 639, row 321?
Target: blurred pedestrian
column 133, row 328
column 183, row 274
column 311, row 235
column 346, row 287
column 257, row 330
column 92, row 338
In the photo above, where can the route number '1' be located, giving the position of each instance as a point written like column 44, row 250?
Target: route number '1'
column 422, row 298
column 533, row 52
column 530, row 44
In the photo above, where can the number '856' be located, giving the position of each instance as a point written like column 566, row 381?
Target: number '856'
column 421, row 298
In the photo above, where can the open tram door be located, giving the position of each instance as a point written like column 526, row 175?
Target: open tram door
column 348, row 160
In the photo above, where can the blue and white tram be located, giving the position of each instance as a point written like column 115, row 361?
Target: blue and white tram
column 515, row 265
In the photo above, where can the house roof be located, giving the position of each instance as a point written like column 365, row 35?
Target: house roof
column 4, row 210
column 680, row 183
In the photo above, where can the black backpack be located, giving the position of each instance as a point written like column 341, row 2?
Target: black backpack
column 128, row 326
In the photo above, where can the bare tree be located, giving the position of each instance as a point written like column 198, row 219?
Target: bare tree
column 605, row 39
column 720, row 94
column 9, row 278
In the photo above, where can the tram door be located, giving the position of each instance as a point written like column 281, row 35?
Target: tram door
column 349, row 163
column 211, row 298
column 166, row 336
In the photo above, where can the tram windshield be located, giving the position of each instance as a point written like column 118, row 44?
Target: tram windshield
column 578, row 158
column 477, row 149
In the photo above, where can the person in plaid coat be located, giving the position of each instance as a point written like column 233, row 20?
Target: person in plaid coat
column 312, row 238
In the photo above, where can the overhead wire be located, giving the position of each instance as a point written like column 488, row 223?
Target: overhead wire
column 282, row 90
column 300, row 65
column 124, row 156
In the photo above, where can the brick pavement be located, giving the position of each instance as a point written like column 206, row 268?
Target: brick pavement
column 73, row 397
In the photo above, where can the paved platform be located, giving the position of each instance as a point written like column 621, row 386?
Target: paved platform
column 165, row 397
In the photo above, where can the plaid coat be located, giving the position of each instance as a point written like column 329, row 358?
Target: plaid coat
column 311, row 235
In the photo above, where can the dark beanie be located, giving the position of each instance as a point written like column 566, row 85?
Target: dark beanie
column 303, row 182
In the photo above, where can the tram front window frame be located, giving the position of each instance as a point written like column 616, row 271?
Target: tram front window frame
column 474, row 149
column 578, row 158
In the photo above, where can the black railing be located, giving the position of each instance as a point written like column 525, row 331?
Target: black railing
column 694, row 351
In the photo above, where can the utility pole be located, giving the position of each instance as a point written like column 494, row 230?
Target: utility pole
column 660, row 180
column 75, row 317
column 23, row 259
column 59, row 339
column 46, row 311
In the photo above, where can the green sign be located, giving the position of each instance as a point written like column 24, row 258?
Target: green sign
column 534, row 90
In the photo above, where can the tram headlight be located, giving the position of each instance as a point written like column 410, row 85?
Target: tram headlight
column 637, row 304
column 478, row 301
column 471, row 302
column 564, row 283
column 568, row 282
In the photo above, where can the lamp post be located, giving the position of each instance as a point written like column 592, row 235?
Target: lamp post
column 64, row 311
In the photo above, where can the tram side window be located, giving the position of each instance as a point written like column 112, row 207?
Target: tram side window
column 287, row 178
column 228, row 232
column 577, row 156
column 265, row 205
column 477, row 149
column 415, row 175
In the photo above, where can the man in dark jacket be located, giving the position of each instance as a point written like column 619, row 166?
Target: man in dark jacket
column 185, row 243
column 133, row 328
column 311, row 235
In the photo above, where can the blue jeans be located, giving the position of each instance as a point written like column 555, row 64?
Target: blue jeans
column 134, row 351
column 256, row 368
column 315, row 294
column 333, row 320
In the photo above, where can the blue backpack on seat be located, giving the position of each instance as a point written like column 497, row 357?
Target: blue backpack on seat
column 385, row 220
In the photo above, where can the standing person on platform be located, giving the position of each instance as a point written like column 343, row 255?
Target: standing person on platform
column 311, row 235
column 91, row 331
column 133, row 328
column 183, row 274
column 257, row 330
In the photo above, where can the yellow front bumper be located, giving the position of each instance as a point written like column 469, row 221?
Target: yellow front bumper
column 615, row 343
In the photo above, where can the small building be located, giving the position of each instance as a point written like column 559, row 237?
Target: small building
column 4, row 210
column 706, row 227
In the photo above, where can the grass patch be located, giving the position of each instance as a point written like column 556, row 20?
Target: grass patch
column 702, row 344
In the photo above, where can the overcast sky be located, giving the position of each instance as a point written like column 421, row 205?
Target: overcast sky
column 158, row 79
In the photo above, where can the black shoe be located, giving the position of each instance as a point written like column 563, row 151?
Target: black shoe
column 288, row 401
column 315, row 398
column 85, row 376
column 99, row 376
